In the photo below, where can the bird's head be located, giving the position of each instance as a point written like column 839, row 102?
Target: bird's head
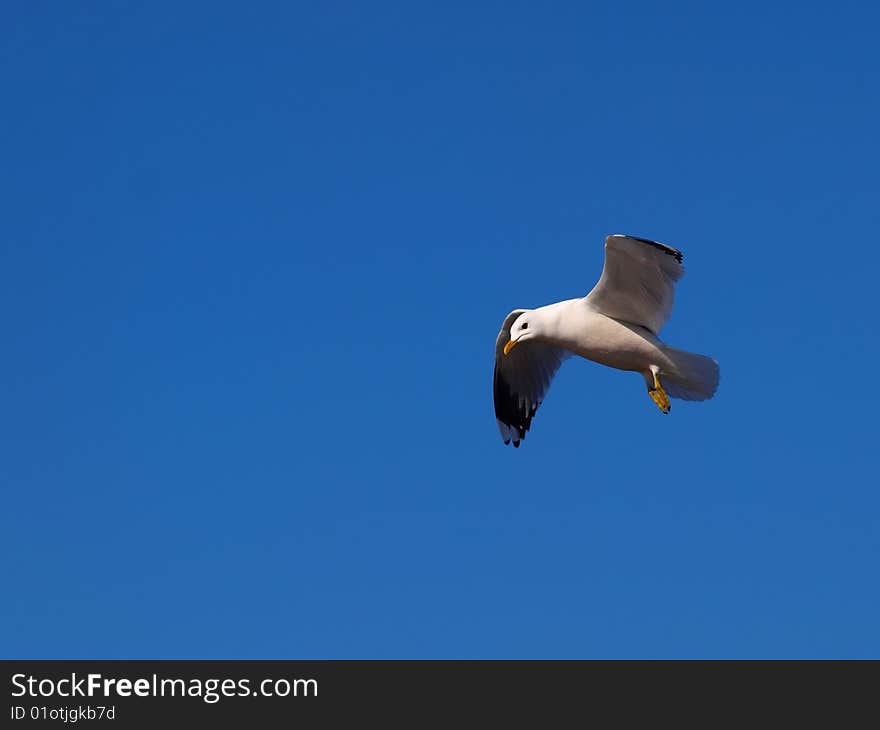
column 526, row 327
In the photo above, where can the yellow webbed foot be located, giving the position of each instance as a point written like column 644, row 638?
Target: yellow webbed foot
column 658, row 395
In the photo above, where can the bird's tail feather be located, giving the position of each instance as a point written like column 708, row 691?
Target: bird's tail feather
column 694, row 377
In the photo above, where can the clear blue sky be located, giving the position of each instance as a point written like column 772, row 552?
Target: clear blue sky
column 253, row 262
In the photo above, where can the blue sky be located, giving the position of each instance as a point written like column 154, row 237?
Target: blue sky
column 253, row 263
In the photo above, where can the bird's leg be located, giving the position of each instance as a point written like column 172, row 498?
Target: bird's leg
column 658, row 395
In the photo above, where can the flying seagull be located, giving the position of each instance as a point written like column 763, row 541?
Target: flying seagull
column 616, row 324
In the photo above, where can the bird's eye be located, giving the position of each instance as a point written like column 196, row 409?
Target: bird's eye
column 525, row 325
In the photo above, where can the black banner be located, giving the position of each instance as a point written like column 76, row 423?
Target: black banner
column 122, row 694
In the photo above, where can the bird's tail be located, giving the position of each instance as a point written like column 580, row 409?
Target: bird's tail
column 693, row 377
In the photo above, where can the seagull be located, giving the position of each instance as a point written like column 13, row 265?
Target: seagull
column 617, row 324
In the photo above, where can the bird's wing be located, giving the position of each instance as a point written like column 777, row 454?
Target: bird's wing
column 637, row 283
column 521, row 380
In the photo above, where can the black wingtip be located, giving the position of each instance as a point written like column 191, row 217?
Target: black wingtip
column 674, row 252
column 510, row 411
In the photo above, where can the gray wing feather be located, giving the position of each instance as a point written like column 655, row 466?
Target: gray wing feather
column 521, row 380
column 638, row 281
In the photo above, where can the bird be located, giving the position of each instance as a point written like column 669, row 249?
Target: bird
column 617, row 324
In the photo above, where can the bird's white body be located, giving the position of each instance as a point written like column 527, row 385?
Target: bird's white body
column 576, row 326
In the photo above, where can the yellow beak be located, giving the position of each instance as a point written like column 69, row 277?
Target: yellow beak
column 509, row 346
